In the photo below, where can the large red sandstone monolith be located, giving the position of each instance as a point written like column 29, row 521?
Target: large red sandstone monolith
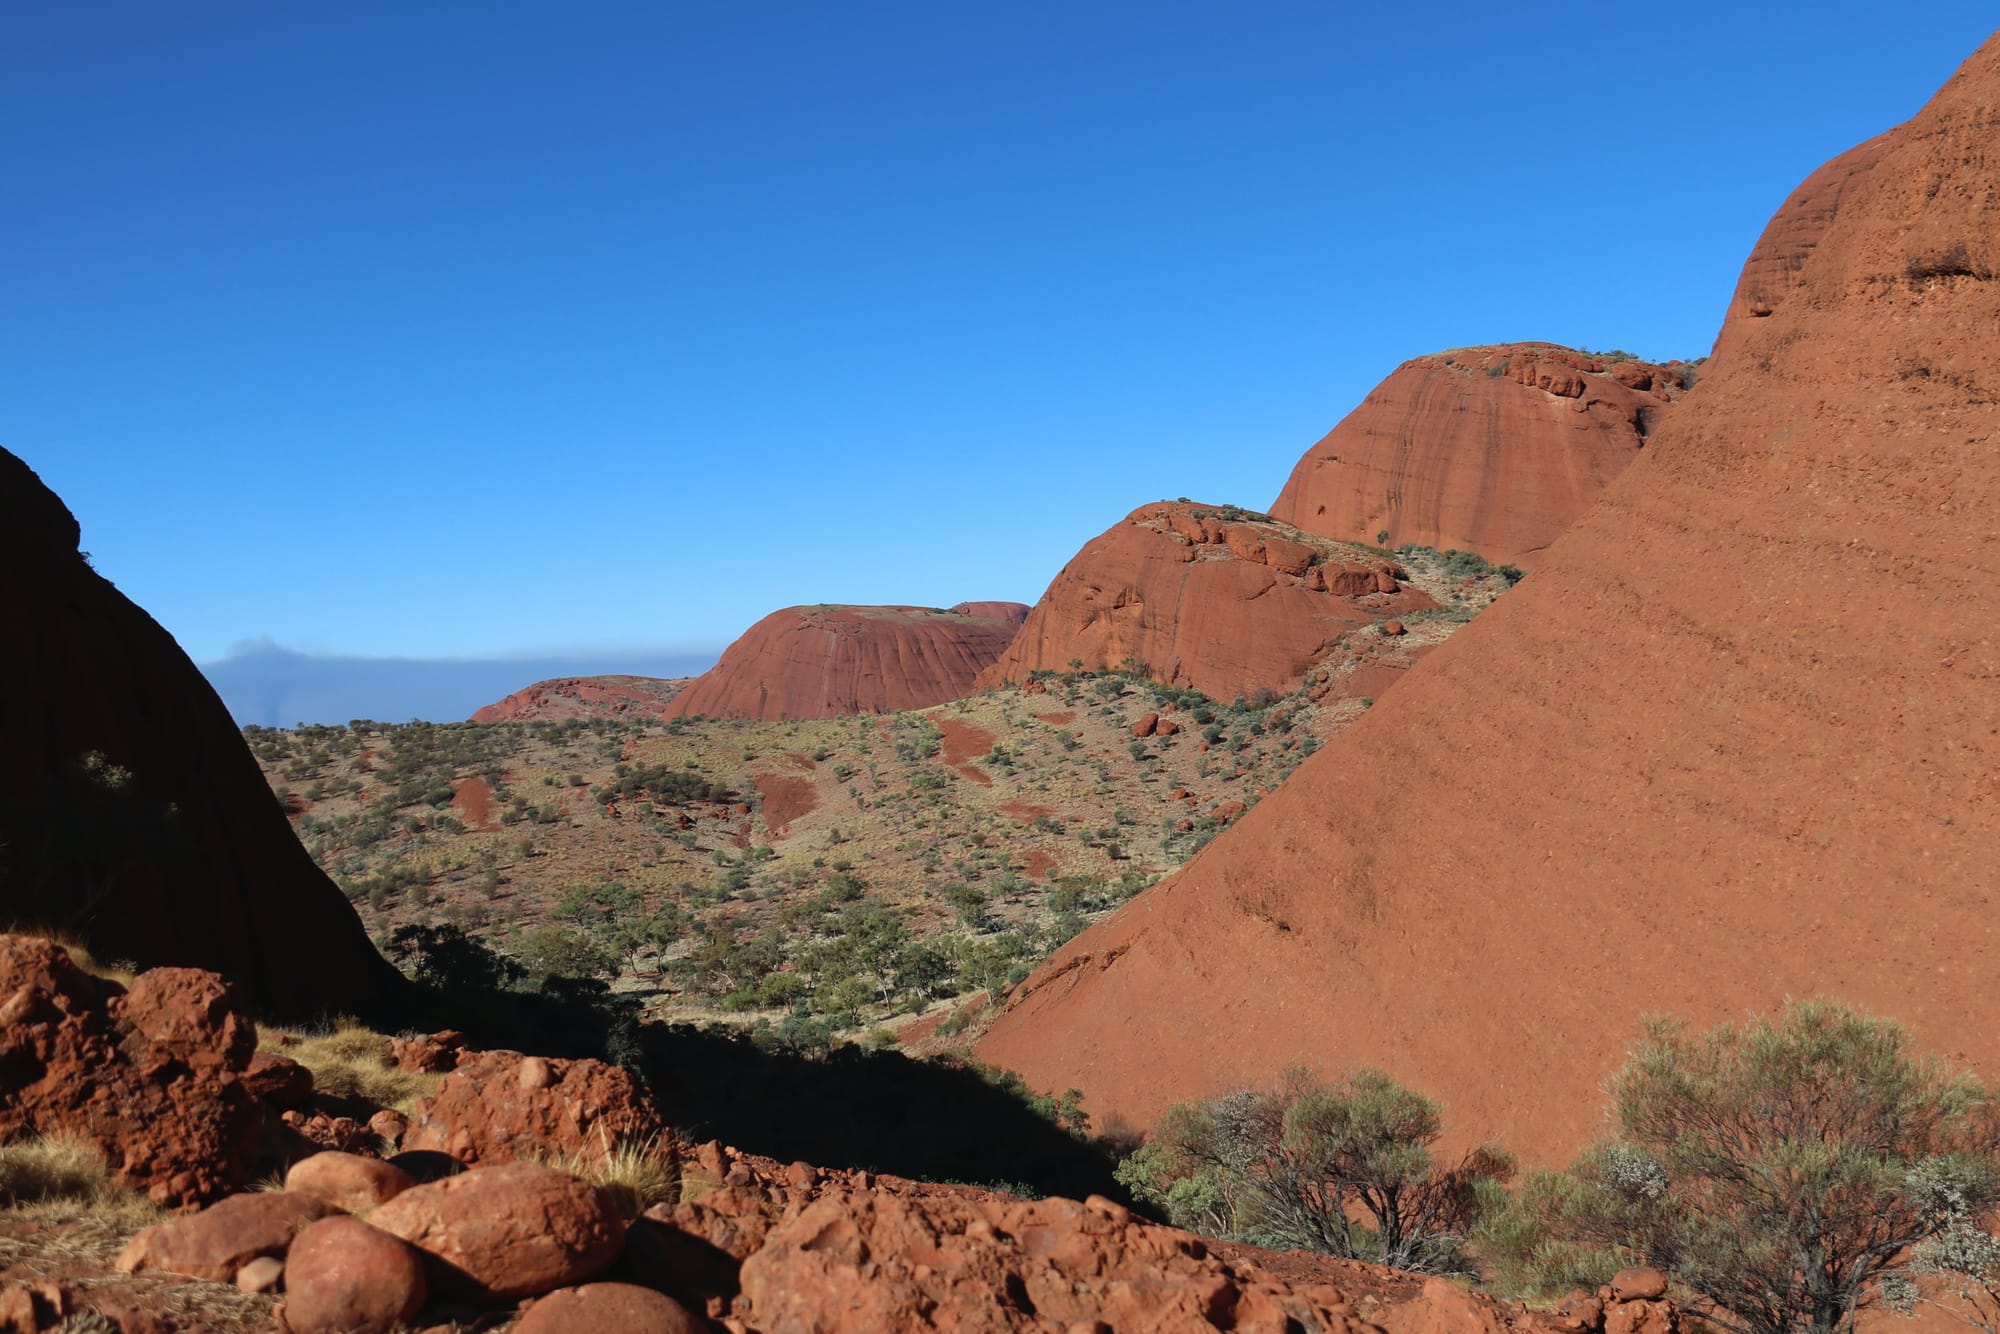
column 1737, row 739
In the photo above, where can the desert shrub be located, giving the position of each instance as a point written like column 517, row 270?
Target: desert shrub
column 1781, row 1170
column 1296, row 1166
column 556, row 951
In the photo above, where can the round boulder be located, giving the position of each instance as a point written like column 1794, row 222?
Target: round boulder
column 348, row 1181
column 609, row 1308
column 516, row 1230
column 345, row 1277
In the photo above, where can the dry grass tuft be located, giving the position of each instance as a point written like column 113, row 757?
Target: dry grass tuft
column 55, row 1167
column 636, row 1175
column 350, row 1061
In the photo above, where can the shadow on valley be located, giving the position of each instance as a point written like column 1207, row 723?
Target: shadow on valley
column 846, row 1106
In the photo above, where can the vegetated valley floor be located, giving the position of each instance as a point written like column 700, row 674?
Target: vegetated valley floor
column 835, row 876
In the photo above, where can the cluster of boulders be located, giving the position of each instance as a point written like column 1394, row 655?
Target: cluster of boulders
column 483, row 1204
column 360, row 1246
column 1259, row 545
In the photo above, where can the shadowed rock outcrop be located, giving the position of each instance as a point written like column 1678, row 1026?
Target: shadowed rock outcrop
column 132, row 815
column 819, row 661
column 1738, row 739
column 1487, row 449
column 1215, row 598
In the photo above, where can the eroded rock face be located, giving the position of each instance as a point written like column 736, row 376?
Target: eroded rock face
column 497, row 1106
column 1788, row 768
column 152, row 1076
column 1489, row 449
column 1205, row 597
column 566, row 697
column 1793, row 234
column 820, row 661
column 134, row 816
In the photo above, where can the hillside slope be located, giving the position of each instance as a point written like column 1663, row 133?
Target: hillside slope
column 1737, row 739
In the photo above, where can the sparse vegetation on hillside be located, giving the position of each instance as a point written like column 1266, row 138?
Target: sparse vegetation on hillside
column 805, row 881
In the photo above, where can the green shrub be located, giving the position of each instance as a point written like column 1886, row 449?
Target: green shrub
column 1780, row 1170
column 1299, row 1165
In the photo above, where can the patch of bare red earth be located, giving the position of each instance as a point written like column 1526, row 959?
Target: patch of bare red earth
column 1489, row 449
column 1227, row 606
column 1737, row 739
column 785, row 798
column 960, row 743
column 473, row 800
column 823, row 661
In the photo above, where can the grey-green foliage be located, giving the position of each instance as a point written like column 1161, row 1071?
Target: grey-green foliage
column 1294, row 1166
column 1780, row 1170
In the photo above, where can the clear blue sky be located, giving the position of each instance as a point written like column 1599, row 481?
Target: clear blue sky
column 459, row 329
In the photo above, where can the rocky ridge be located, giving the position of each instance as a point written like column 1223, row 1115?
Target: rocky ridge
column 569, row 697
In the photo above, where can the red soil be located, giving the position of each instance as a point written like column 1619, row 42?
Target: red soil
column 1039, row 865
column 962, row 741
column 1737, row 739
column 473, row 800
column 1062, row 719
column 820, row 661
column 786, row 798
column 1487, row 449
column 1025, row 811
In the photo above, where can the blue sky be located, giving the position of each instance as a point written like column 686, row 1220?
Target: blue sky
column 469, row 329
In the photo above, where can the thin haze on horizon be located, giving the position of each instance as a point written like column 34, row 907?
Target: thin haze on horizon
column 474, row 331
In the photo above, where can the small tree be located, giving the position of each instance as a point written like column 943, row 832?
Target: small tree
column 1345, row 1169
column 1780, row 1170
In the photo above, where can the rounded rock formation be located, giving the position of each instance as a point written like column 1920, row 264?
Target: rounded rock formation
column 822, row 661
column 1489, row 449
column 1212, row 597
column 517, row 1230
column 345, row 1277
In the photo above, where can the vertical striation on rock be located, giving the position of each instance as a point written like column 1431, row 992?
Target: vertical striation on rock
column 1487, row 449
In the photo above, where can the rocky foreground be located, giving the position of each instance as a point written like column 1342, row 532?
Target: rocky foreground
column 481, row 1206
